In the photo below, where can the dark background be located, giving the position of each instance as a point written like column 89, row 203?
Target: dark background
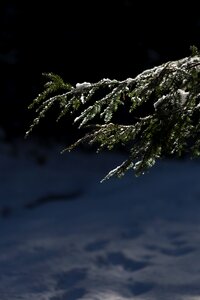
column 83, row 41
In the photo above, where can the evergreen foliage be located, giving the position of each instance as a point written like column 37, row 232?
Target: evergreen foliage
column 171, row 127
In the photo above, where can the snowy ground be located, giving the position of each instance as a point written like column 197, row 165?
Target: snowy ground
column 66, row 236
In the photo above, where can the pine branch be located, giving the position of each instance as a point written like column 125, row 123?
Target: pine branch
column 171, row 128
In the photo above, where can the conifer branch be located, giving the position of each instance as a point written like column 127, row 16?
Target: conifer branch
column 172, row 127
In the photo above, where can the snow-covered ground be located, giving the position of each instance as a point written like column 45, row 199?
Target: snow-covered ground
column 66, row 236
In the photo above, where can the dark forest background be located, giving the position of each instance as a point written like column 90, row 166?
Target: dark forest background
column 83, row 41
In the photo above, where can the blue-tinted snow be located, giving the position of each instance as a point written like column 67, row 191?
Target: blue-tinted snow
column 65, row 235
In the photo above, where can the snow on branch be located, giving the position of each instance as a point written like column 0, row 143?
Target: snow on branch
column 170, row 127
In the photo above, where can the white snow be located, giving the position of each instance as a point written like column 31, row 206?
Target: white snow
column 83, row 85
column 66, row 236
column 183, row 96
column 159, row 101
column 82, row 99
